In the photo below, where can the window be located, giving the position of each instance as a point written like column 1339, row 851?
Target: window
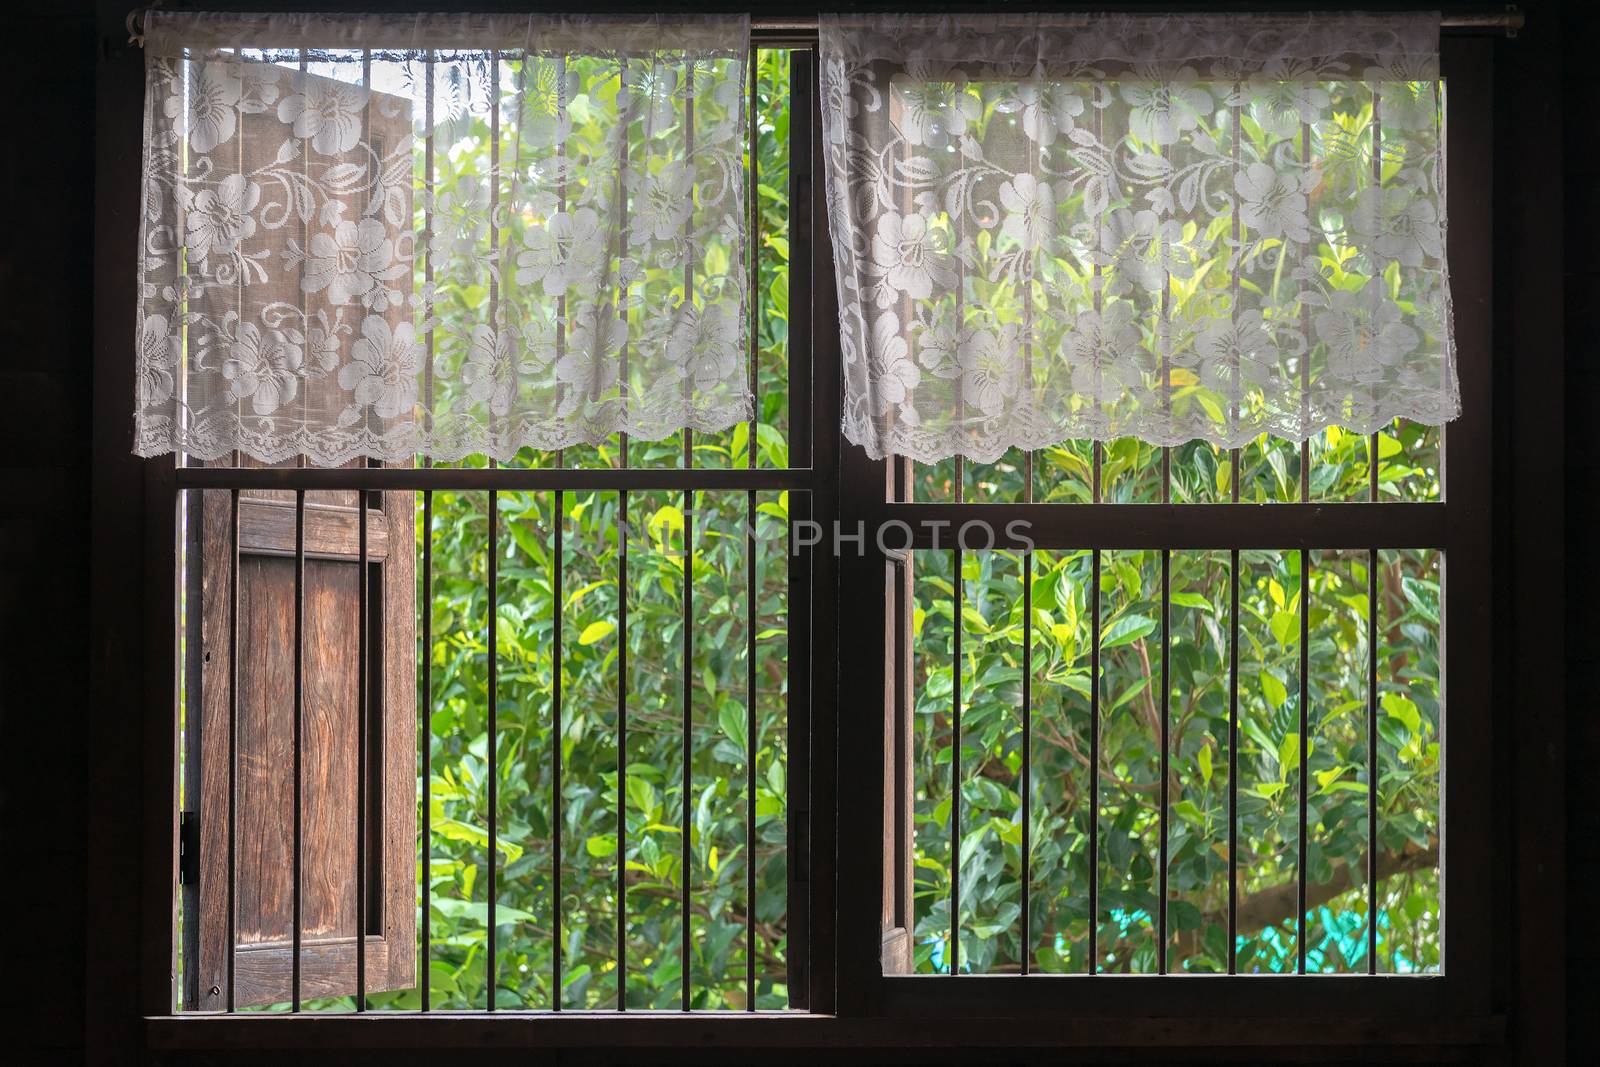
column 602, row 772
column 1119, row 562
column 1101, row 557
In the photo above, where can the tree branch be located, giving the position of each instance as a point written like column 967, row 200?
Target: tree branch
column 1270, row 906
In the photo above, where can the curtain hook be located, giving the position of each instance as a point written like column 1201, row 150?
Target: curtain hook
column 135, row 23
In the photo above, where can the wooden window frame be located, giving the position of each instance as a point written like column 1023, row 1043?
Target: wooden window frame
column 1510, row 844
column 1458, row 526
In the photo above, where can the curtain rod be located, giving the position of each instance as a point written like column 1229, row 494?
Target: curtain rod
column 803, row 27
column 1509, row 21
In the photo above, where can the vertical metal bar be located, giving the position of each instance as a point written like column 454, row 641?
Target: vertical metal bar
column 622, row 745
column 558, row 735
column 297, row 727
column 1233, row 755
column 621, row 583
column 1166, row 767
column 1373, row 776
column 1372, row 761
column 1235, row 113
column 1164, row 816
column 1377, row 179
column 688, row 736
column 955, row 761
column 1027, row 750
column 1305, row 361
column 1305, row 757
column 1372, row 465
column 751, row 592
column 619, row 304
column 686, row 949
column 753, row 283
column 1096, row 451
column 427, row 246
column 492, row 889
column 955, row 663
column 1305, row 623
column 363, row 622
column 305, row 234
column 1094, row 753
column 751, row 748
column 688, row 262
column 1233, row 313
column 299, row 645
column 558, row 724
column 561, row 300
column 233, row 739
column 494, row 238
column 425, row 919
column 362, row 677
column 1165, row 372
column 956, row 727
column 1026, row 814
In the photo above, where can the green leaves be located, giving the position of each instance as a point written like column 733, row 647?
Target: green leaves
column 1273, row 689
column 1402, row 709
column 1286, row 627
column 597, row 631
column 1126, row 630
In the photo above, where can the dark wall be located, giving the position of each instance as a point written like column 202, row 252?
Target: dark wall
column 1582, row 171
column 46, row 334
column 46, row 264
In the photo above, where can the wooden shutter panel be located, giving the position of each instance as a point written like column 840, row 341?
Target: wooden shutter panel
column 264, row 841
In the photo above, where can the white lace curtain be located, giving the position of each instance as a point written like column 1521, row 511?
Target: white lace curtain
column 380, row 236
column 1171, row 227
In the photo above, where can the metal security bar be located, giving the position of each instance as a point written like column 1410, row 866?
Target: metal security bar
column 368, row 483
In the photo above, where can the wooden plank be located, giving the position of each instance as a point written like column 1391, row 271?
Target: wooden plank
column 895, row 954
column 266, row 527
column 263, row 972
column 328, row 756
column 393, row 704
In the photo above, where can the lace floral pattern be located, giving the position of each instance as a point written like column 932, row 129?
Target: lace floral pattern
column 385, row 236
column 1171, row 227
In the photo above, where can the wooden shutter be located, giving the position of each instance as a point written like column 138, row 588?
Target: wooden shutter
column 330, row 744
